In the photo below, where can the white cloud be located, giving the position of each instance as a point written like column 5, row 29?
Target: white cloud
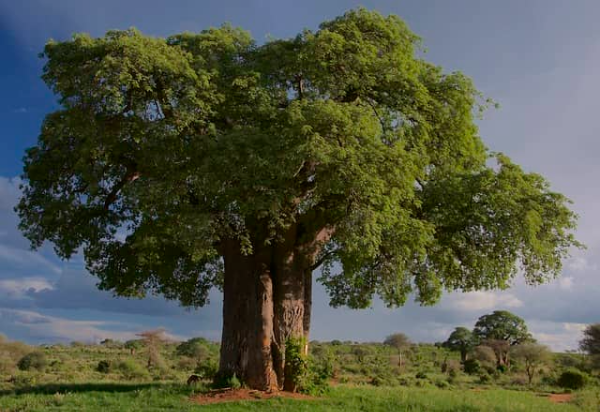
column 60, row 329
column 580, row 264
column 559, row 336
column 18, row 288
column 9, row 192
column 484, row 300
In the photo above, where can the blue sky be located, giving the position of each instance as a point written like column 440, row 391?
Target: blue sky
column 537, row 58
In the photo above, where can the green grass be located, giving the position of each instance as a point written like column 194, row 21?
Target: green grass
column 104, row 397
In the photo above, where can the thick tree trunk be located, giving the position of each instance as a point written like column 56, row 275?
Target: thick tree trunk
column 266, row 302
column 247, row 319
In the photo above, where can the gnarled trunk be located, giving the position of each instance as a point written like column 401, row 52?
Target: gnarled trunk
column 247, row 335
column 266, row 302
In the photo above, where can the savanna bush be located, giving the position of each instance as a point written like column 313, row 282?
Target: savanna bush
column 103, row 366
column 572, row 379
column 33, row 361
column 130, row 369
column 472, row 366
column 207, row 369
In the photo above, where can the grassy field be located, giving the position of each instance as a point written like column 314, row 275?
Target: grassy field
column 104, row 397
column 368, row 377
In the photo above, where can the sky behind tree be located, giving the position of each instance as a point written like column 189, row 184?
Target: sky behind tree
column 537, row 58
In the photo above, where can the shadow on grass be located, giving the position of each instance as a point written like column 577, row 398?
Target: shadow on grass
column 113, row 387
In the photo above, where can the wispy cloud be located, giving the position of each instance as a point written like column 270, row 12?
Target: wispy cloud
column 484, row 300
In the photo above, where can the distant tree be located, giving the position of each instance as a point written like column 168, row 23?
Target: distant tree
column 461, row 340
column 400, row 342
column 485, row 355
column 153, row 340
column 532, row 355
column 111, row 343
column 133, row 345
column 194, row 348
column 501, row 350
column 590, row 343
column 502, row 325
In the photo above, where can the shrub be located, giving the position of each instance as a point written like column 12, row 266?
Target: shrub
column 31, row 361
column 572, row 379
column 421, row 375
column 485, row 378
column 103, row 366
column 193, row 348
column 472, row 366
column 130, row 369
column 207, row 369
column 452, row 367
column 442, row 384
column 502, row 368
column 187, row 364
column 226, row 381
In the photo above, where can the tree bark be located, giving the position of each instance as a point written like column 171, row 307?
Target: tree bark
column 266, row 302
column 247, row 318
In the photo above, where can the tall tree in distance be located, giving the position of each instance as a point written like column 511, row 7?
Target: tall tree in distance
column 503, row 326
column 400, row 342
column 461, row 340
column 205, row 160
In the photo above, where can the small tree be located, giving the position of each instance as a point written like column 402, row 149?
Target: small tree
column 485, row 355
column 590, row 343
column 532, row 355
column 400, row 342
column 133, row 345
column 153, row 339
column 461, row 340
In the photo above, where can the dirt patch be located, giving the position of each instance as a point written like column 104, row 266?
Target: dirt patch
column 560, row 397
column 236, row 395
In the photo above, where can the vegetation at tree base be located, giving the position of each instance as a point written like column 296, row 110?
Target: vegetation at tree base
column 206, row 160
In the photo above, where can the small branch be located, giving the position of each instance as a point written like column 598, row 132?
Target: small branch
column 322, row 260
column 112, row 196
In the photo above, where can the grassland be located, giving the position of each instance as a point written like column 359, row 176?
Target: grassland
column 366, row 377
column 172, row 397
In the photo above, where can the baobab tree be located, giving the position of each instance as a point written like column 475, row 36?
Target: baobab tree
column 204, row 159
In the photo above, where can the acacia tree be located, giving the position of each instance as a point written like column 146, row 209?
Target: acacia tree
column 204, row 159
column 532, row 355
column 400, row 342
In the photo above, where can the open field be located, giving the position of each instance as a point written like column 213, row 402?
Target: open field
column 163, row 397
column 366, row 377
